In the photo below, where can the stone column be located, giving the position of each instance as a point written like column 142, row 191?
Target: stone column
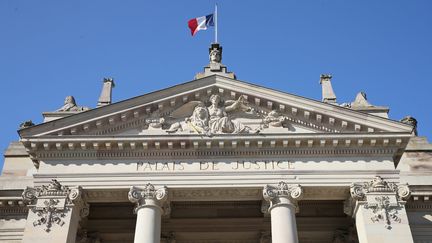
column 54, row 213
column 283, row 205
column 379, row 211
column 150, row 205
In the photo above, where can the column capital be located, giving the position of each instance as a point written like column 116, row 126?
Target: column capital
column 53, row 202
column 379, row 186
column 283, row 193
column 382, row 199
column 149, row 196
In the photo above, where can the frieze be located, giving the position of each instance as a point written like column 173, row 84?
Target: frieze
column 139, row 153
column 215, row 194
column 243, row 165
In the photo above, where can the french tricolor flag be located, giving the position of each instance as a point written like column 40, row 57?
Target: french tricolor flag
column 200, row 23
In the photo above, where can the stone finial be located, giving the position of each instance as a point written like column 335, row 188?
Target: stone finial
column 328, row 95
column 412, row 122
column 70, row 105
column 105, row 97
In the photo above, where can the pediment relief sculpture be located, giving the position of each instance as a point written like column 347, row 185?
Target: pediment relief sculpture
column 217, row 116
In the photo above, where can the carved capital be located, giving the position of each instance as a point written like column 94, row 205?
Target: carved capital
column 383, row 199
column 149, row 196
column 377, row 186
column 51, row 203
column 290, row 192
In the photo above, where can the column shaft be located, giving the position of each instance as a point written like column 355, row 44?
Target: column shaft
column 283, row 198
column 148, row 225
column 149, row 208
column 283, row 223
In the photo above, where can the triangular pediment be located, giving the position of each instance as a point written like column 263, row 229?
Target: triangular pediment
column 215, row 105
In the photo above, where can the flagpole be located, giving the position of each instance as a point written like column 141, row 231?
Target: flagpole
column 216, row 24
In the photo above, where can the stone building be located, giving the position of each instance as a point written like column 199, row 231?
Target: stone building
column 218, row 160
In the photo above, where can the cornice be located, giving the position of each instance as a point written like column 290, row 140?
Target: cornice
column 12, row 207
column 218, row 145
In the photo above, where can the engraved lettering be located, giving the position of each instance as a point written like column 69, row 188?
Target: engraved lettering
column 204, row 165
column 247, row 165
column 165, row 166
column 147, row 166
column 257, row 166
column 178, row 166
column 290, row 165
column 214, row 165
column 235, row 165
column 280, row 164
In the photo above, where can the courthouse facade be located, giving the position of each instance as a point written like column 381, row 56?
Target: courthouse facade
column 218, row 160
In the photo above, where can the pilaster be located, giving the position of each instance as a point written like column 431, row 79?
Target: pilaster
column 55, row 211
column 379, row 210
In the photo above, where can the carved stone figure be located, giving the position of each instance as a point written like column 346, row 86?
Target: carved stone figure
column 215, row 56
column 26, row 124
column 220, row 122
column 216, row 118
column 70, row 105
column 197, row 122
column 410, row 121
column 274, row 119
column 154, row 121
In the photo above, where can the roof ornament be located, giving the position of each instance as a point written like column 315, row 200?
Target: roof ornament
column 215, row 66
column 70, row 105
column 328, row 95
column 362, row 104
column 26, row 124
column 361, row 100
column 105, row 97
column 410, row 121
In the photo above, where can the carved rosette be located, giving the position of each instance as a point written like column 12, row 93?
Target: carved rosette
column 53, row 202
column 149, row 196
column 383, row 198
column 273, row 194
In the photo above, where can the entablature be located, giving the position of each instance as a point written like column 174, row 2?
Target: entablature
column 217, row 145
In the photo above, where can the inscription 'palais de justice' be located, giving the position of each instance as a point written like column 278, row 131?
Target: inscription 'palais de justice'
column 215, row 166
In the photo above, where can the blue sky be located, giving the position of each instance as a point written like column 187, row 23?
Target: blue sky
column 51, row 49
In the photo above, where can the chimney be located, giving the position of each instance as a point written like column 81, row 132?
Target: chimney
column 328, row 95
column 105, row 97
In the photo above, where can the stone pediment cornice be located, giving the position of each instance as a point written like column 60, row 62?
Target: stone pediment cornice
column 51, row 147
column 149, row 109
